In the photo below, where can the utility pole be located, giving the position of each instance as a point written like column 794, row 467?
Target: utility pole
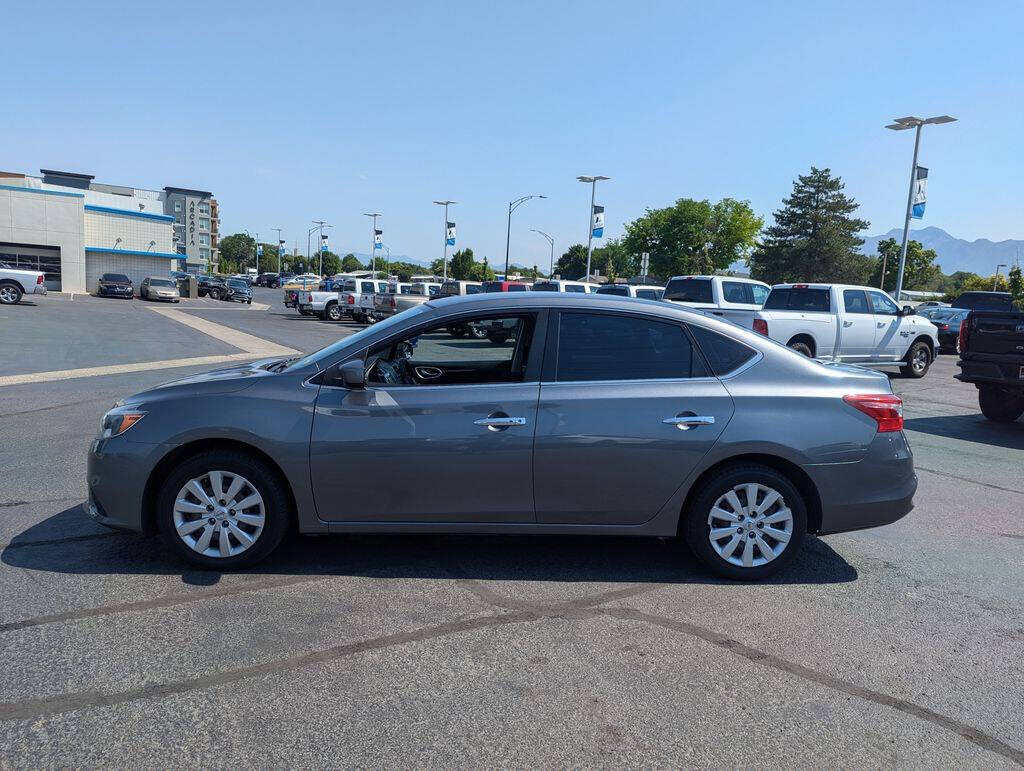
column 902, row 124
column 551, row 267
column 512, row 206
column 373, row 241
column 280, row 248
column 320, row 224
column 590, row 218
column 444, row 254
column 995, row 278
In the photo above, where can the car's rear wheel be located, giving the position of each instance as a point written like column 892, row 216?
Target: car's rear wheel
column 919, row 359
column 999, row 404
column 223, row 509
column 801, row 347
column 10, row 294
column 496, row 338
column 334, row 312
column 746, row 523
column 476, row 332
column 214, row 294
column 457, row 331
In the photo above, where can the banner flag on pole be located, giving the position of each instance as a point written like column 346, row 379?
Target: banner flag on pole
column 280, row 247
column 323, row 243
column 378, row 239
column 920, row 192
column 259, row 250
column 598, row 223
column 451, row 234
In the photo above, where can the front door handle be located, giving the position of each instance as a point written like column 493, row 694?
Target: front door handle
column 499, row 422
column 880, row 324
column 686, row 422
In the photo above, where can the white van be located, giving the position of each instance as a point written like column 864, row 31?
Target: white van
column 733, row 298
column 644, row 291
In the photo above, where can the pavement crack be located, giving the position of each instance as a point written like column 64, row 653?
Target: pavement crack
column 971, row 734
column 969, row 481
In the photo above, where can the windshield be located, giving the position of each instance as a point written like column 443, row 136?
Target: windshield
column 689, row 290
column 354, row 341
column 237, row 283
column 115, row 277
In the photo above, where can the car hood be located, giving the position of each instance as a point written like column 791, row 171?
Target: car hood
column 217, row 381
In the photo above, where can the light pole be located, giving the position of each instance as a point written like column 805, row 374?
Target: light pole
column 551, row 266
column 512, row 206
column 590, row 217
column 373, row 242
column 995, row 278
column 279, row 250
column 902, row 124
column 320, row 225
column 444, row 256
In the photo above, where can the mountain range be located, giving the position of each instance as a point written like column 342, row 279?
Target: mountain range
column 979, row 256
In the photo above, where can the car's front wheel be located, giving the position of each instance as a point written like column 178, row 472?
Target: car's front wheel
column 223, row 509
column 919, row 359
column 746, row 522
column 999, row 404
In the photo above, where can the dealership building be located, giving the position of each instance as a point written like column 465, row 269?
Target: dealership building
column 75, row 229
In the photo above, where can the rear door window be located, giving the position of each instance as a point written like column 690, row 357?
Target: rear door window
column 598, row 346
column 621, row 290
column 855, row 301
column 689, row 290
column 647, row 294
column 799, row 299
column 737, row 292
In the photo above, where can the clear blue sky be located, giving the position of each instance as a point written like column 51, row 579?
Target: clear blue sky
column 299, row 111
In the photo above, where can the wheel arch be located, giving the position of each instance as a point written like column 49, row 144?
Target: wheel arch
column 790, row 470
column 167, row 464
column 922, row 338
column 805, row 337
column 15, row 283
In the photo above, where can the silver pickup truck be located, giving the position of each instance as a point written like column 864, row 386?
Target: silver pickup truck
column 388, row 304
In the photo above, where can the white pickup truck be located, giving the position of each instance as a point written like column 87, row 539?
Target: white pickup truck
column 852, row 324
column 733, row 298
column 350, row 297
column 15, row 283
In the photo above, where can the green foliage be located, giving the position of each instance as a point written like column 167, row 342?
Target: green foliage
column 236, row 250
column 332, row 263
column 572, row 265
column 614, row 260
column 1015, row 283
column 350, row 263
column 691, row 237
column 461, row 265
column 920, row 273
column 814, row 237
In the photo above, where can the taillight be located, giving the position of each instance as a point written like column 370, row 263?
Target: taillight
column 943, row 327
column 39, row 278
column 761, row 327
column 351, row 300
column 886, row 409
column 965, row 327
column 393, row 303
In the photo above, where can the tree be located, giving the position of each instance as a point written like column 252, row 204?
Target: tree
column 920, row 271
column 814, row 237
column 693, row 236
column 236, row 250
column 614, row 260
column 573, row 263
column 1016, row 285
column 461, row 265
column 331, row 263
column 350, row 263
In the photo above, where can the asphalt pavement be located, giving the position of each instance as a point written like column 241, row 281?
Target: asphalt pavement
column 899, row 646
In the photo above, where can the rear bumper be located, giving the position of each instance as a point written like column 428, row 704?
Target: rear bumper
column 1002, row 371
column 39, row 289
column 876, row 490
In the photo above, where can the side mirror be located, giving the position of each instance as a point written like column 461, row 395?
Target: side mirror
column 353, row 374
column 908, row 310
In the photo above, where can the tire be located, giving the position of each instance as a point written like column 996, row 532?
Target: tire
column 696, row 526
column 304, row 311
column 496, row 338
column 957, row 349
column 459, row 331
column 333, row 312
column 920, row 358
column 801, row 347
column 248, row 302
column 214, row 294
column 1000, row 405
column 476, row 333
column 10, row 294
column 259, row 479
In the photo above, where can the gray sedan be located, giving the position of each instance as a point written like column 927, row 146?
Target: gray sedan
column 595, row 415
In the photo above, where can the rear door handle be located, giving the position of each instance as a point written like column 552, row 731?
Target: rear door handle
column 847, row 323
column 499, row 422
column 686, row 422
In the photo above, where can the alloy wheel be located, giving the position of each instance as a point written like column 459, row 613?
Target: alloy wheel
column 750, row 525
column 920, row 360
column 8, row 295
column 219, row 514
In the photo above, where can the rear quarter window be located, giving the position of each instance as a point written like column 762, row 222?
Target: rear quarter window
column 797, row 299
column 723, row 353
column 689, row 290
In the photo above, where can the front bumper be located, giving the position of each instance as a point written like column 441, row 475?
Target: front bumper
column 874, row 491
column 117, row 472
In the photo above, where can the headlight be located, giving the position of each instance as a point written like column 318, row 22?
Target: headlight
column 117, row 421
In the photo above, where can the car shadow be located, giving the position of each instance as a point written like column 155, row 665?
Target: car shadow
column 68, row 543
column 970, row 428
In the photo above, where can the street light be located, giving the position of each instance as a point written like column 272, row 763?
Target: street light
column 551, row 267
column 319, row 225
column 902, row 124
column 995, row 278
column 373, row 242
column 592, row 181
column 512, row 206
column 279, row 250
column 444, row 257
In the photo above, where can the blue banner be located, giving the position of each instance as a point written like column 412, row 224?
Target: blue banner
column 323, row 243
column 259, row 250
column 598, row 223
column 920, row 192
column 450, row 234
column 378, row 239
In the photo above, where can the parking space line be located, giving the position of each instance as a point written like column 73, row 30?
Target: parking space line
column 241, row 340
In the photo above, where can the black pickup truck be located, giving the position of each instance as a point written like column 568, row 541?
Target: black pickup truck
column 992, row 357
